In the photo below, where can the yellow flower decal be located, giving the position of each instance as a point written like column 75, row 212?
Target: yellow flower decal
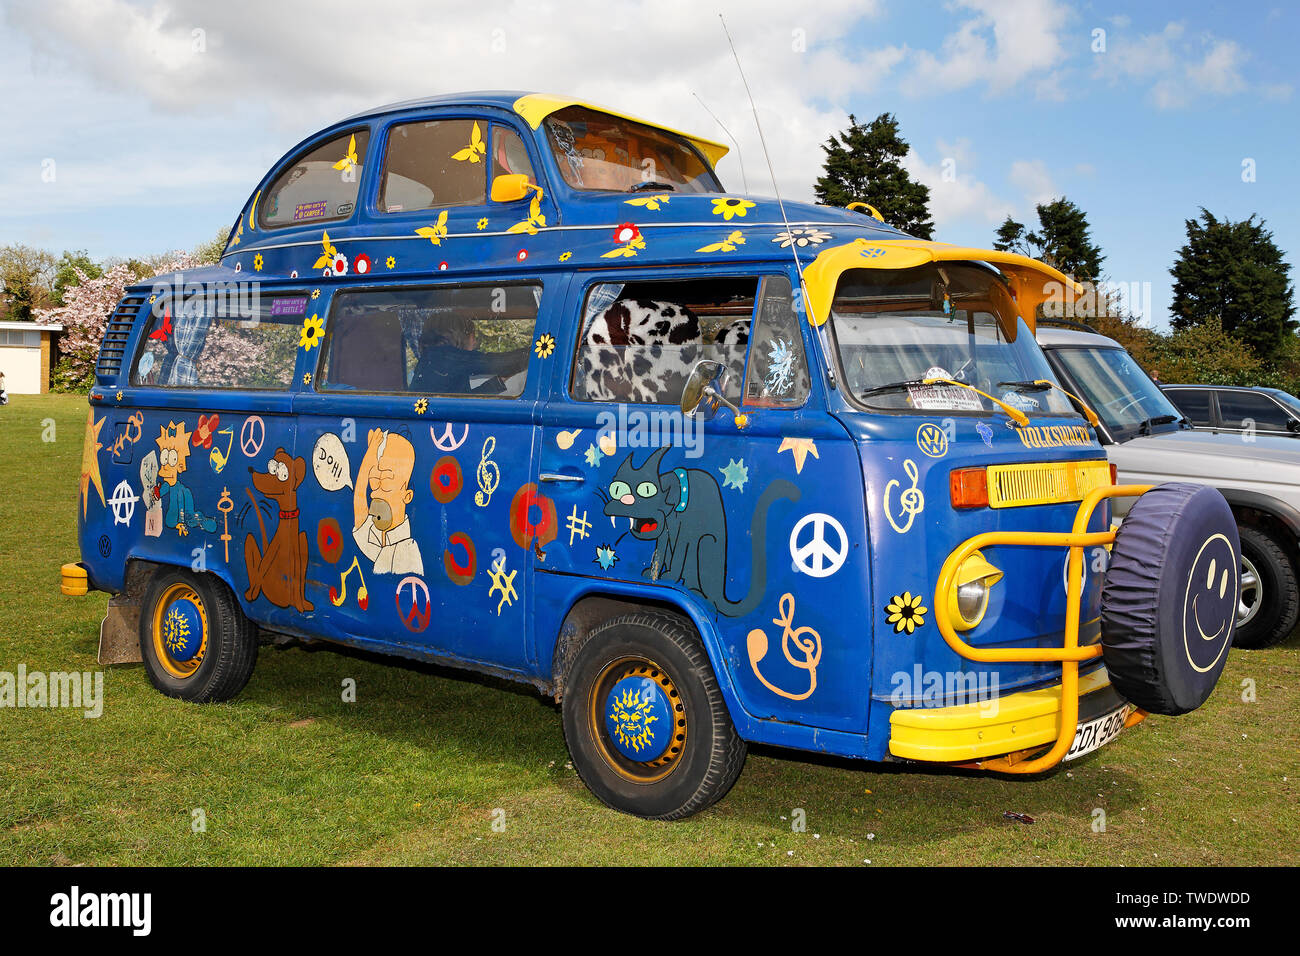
column 906, row 612
column 350, row 160
column 327, row 256
column 313, row 329
column 535, row 218
column 545, row 345
column 306, row 378
column 152, row 299
column 258, row 262
column 649, row 202
column 476, row 149
column 119, row 394
column 566, row 256
column 391, row 262
column 315, row 293
column 421, row 406
column 482, row 224
column 437, row 232
column 728, row 206
column 726, row 245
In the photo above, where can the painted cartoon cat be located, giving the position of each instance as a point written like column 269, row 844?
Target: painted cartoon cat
column 681, row 511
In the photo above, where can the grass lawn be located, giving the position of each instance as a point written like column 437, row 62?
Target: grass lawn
column 415, row 770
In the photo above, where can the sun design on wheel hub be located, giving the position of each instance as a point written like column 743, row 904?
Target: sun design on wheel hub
column 632, row 718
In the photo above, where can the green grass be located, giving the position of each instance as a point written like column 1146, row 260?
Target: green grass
column 412, row 772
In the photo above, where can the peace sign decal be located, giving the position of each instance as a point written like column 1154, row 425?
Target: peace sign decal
column 251, row 435
column 820, row 556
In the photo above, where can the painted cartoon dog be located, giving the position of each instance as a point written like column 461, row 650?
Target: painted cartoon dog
column 681, row 511
column 279, row 568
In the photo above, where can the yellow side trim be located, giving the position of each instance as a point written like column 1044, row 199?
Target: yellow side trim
column 535, row 107
column 73, row 580
column 970, row 731
column 1044, row 483
column 1032, row 282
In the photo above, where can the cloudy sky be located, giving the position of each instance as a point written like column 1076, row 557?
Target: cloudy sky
column 134, row 127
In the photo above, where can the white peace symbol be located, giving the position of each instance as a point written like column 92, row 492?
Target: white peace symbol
column 250, row 438
column 817, row 558
column 447, row 440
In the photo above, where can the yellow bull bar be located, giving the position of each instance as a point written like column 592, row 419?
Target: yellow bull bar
column 1070, row 654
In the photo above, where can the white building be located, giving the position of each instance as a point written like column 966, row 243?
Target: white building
column 25, row 349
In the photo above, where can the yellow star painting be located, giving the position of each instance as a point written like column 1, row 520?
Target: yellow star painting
column 800, row 448
column 90, row 461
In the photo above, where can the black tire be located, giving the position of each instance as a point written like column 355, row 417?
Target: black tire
column 1275, row 591
column 227, row 646
column 703, row 755
column 1175, row 570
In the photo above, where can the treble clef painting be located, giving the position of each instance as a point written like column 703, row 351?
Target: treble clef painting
column 804, row 640
column 489, row 475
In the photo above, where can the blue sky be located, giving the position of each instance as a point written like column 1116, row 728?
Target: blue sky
column 135, row 128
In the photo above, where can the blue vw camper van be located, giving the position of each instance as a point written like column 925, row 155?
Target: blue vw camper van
column 510, row 382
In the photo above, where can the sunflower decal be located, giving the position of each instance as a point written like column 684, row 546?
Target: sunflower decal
column 391, row 262
column 421, row 406
column 315, row 293
column 906, row 612
column 306, row 378
column 313, row 329
column 729, row 206
column 566, row 256
column 545, row 345
column 258, row 262
column 482, row 224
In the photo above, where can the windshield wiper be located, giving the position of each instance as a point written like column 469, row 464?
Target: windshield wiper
column 651, row 184
column 894, row 387
column 1026, row 386
column 1150, row 423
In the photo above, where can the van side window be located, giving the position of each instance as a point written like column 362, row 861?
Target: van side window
column 222, row 342
column 509, row 155
column 318, row 186
column 451, row 340
column 440, row 163
column 640, row 340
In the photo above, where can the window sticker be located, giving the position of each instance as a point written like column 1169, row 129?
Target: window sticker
column 944, row 396
column 309, row 210
column 289, row 305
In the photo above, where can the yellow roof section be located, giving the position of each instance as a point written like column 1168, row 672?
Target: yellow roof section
column 1032, row 282
column 535, row 107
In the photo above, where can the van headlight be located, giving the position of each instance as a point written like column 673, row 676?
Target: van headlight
column 969, row 598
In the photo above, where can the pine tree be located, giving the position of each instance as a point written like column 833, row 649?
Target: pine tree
column 862, row 165
column 1234, row 270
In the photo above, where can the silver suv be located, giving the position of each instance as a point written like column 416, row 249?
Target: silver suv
column 1232, row 408
column 1150, row 441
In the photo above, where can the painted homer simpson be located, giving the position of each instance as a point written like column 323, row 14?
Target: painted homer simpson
column 381, row 527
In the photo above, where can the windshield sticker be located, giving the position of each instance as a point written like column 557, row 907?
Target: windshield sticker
column 780, row 370
column 1023, row 402
column 309, row 210
column 944, row 397
column 1054, row 436
column 937, row 371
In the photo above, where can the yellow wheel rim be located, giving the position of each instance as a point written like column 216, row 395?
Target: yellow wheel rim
column 637, row 719
column 179, row 628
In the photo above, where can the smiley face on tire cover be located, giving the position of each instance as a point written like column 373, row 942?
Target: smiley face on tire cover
column 1210, row 604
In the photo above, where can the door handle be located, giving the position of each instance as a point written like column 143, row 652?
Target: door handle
column 555, row 476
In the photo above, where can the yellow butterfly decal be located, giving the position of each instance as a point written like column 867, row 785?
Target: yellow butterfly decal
column 476, row 149
column 726, row 245
column 435, row 233
column 649, row 202
column 628, row 249
column 535, row 218
column 350, row 160
column 327, row 258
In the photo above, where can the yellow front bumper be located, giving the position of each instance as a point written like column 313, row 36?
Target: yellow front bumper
column 999, row 726
column 73, row 580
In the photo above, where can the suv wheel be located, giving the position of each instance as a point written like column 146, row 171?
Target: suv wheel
column 1269, row 603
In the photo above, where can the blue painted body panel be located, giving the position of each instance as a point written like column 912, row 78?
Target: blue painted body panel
column 502, row 608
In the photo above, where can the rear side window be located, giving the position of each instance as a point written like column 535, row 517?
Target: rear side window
column 319, row 186
column 640, row 340
column 440, row 163
column 1251, row 410
column 222, row 342
column 450, row 340
column 1192, row 402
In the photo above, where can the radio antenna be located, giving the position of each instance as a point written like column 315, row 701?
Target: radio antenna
column 740, row 159
column 794, row 247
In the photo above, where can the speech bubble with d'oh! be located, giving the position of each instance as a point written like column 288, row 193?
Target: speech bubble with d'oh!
column 329, row 462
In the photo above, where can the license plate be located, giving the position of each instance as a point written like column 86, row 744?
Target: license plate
column 1097, row 732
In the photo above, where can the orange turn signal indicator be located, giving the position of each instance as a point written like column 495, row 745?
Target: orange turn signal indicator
column 969, row 487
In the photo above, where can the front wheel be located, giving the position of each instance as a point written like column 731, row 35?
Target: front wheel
column 644, row 720
column 196, row 643
column 1269, row 601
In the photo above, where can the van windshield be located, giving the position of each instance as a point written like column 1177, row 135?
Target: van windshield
column 598, row 151
column 895, row 328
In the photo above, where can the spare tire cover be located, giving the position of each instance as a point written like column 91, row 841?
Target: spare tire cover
column 1169, row 603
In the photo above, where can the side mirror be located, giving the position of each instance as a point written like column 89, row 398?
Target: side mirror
column 1293, row 425
column 705, row 391
column 510, row 187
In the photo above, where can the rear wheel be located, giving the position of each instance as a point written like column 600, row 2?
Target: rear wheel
column 1269, row 601
column 644, row 719
column 195, row 641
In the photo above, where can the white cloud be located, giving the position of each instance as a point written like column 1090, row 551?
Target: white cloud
column 1033, row 180
column 1182, row 71
column 1005, row 43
